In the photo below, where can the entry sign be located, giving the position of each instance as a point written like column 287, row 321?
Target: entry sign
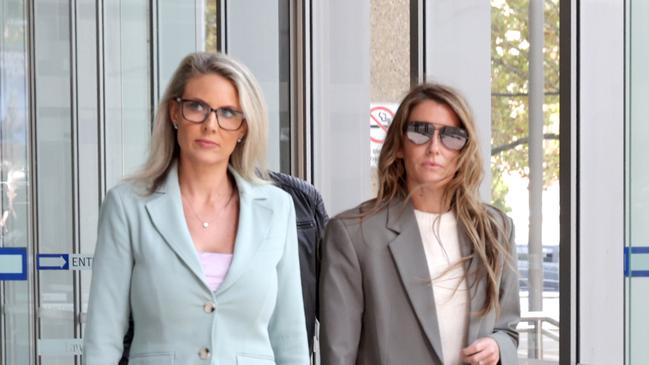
column 64, row 261
column 53, row 261
column 13, row 263
column 80, row 262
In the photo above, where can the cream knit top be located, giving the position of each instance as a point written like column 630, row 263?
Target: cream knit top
column 439, row 235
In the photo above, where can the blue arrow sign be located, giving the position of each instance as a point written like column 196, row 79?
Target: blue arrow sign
column 53, row 261
column 13, row 263
column 636, row 261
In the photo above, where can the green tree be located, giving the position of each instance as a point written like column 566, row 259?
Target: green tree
column 509, row 91
column 211, row 17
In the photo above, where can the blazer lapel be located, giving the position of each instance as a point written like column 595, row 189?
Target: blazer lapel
column 476, row 289
column 410, row 259
column 166, row 213
column 255, row 214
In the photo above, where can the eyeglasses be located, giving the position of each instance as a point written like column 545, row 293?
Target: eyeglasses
column 196, row 111
column 453, row 138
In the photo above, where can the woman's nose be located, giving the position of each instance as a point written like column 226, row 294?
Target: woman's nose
column 434, row 144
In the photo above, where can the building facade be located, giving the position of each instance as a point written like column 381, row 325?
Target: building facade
column 80, row 81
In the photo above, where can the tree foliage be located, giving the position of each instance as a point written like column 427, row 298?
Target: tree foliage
column 211, row 17
column 509, row 93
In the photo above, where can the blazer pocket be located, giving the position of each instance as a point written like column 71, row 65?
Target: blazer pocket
column 254, row 359
column 152, row 358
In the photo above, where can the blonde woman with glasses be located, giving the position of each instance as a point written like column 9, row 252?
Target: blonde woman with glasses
column 424, row 273
column 197, row 246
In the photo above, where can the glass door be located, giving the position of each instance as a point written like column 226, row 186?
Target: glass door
column 16, row 295
column 75, row 112
column 637, row 184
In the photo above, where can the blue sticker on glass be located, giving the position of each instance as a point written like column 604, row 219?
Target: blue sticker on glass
column 13, row 263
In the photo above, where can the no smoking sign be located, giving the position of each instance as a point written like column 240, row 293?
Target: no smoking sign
column 380, row 118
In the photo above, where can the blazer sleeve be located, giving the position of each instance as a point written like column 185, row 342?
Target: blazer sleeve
column 341, row 297
column 287, row 328
column 108, row 305
column 505, row 332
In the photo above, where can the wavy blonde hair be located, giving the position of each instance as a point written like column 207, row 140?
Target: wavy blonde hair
column 248, row 157
column 485, row 231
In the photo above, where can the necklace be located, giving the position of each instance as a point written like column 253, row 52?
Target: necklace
column 206, row 223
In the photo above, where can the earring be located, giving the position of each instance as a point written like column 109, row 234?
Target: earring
column 175, row 126
column 240, row 139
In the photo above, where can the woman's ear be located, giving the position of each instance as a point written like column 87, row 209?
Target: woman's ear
column 244, row 132
column 399, row 154
column 173, row 112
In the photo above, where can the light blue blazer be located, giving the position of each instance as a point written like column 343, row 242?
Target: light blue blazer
column 145, row 263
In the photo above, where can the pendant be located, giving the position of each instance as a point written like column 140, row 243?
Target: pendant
column 205, row 225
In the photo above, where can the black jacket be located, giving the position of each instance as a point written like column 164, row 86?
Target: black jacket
column 311, row 219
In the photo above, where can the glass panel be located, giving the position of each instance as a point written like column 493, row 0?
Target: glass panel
column 266, row 32
column 15, row 295
column 340, row 82
column 389, row 69
column 284, row 78
column 87, row 134
column 184, row 27
column 180, row 31
column 128, row 72
column 54, row 173
column 510, row 165
column 211, row 25
column 127, row 121
column 71, row 168
column 637, row 178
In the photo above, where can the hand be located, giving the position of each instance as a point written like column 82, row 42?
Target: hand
column 484, row 351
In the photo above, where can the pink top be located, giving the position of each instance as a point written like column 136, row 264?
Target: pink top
column 215, row 267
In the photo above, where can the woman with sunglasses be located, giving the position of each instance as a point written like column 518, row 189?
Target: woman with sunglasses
column 197, row 246
column 424, row 273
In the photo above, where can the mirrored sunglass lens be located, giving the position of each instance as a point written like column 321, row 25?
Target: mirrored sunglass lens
column 417, row 138
column 453, row 141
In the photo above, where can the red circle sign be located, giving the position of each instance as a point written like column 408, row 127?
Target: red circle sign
column 384, row 119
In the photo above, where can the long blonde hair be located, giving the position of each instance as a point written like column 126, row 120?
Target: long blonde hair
column 248, row 157
column 485, row 231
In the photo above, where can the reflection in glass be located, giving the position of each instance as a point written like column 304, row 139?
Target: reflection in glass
column 637, row 182
column 211, row 25
column 510, row 164
column 55, row 303
column 15, row 296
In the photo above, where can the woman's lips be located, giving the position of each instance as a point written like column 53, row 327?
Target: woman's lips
column 206, row 143
column 431, row 164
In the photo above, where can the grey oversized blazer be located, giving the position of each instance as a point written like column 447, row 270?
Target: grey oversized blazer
column 376, row 302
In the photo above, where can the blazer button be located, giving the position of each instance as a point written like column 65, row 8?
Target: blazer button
column 204, row 353
column 209, row 307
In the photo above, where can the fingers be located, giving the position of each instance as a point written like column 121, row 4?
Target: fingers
column 484, row 351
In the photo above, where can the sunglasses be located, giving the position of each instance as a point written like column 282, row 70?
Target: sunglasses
column 453, row 138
